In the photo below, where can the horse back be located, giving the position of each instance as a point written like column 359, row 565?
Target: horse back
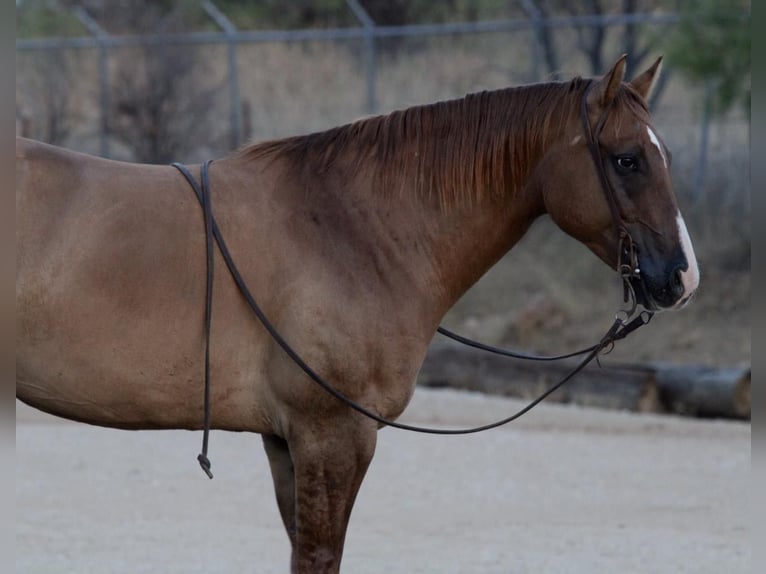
column 109, row 290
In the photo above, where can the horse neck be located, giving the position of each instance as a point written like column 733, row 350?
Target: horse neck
column 463, row 232
column 463, row 242
column 436, row 194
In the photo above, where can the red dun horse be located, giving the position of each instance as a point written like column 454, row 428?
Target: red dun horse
column 355, row 241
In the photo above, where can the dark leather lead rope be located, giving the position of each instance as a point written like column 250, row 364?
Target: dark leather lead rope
column 619, row 329
column 203, row 194
column 207, row 207
column 513, row 354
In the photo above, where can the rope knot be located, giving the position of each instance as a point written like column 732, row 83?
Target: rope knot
column 204, row 462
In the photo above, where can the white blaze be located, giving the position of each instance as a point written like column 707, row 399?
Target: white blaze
column 690, row 277
column 655, row 140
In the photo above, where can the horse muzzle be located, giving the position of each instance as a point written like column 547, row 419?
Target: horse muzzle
column 668, row 289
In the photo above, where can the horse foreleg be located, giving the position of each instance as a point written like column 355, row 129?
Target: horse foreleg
column 283, row 474
column 330, row 463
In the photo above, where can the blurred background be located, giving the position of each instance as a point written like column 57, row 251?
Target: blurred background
column 187, row 80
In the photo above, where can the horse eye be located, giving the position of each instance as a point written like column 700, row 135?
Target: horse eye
column 626, row 163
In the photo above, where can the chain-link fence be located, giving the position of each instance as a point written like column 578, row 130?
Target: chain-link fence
column 190, row 96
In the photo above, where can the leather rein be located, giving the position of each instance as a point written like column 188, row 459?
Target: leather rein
column 624, row 322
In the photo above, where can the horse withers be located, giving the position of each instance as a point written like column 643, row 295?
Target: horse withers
column 356, row 241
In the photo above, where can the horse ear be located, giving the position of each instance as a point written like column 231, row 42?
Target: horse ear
column 644, row 83
column 603, row 93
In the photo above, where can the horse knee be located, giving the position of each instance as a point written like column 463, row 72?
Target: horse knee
column 328, row 473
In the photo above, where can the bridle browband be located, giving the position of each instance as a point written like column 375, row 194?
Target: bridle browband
column 624, row 322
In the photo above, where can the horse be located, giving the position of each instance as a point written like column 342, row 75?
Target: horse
column 355, row 240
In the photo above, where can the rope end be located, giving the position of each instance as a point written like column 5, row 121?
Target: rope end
column 204, row 462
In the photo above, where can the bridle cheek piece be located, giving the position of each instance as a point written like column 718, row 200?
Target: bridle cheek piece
column 627, row 253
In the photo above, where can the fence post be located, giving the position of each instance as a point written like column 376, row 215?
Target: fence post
column 369, row 54
column 534, row 13
column 103, row 76
column 702, row 153
column 230, row 30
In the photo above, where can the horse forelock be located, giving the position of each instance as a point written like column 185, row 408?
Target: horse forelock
column 458, row 150
column 628, row 103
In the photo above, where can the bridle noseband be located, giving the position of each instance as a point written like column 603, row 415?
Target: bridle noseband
column 624, row 322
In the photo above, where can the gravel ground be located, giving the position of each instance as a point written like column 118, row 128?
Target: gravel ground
column 565, row 489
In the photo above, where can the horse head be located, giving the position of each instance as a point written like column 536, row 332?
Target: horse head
column 608, row 184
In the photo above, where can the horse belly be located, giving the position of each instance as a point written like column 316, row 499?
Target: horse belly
column 89, row 360
column 89, row 349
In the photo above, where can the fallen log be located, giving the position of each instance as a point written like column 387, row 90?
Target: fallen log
column 680, row 389
column 704, row 391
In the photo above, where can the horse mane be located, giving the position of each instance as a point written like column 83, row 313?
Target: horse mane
column 463, row 149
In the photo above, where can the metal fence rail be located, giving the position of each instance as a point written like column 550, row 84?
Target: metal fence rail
column 348, row 72
column 231, row 37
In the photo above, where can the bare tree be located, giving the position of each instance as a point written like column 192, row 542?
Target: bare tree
column 162, row 96
column 543, row 36
column 159, row 109
column 55, row 94
column 45, row 97
column 641, row 46
column 44, row 79
column 592, row 40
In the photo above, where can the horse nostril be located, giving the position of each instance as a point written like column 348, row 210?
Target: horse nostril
column 677, row 281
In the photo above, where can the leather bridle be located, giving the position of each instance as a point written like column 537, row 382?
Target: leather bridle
column 627, row 254
column 624, row 322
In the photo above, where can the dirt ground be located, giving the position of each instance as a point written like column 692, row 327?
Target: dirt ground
column 566, row 489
